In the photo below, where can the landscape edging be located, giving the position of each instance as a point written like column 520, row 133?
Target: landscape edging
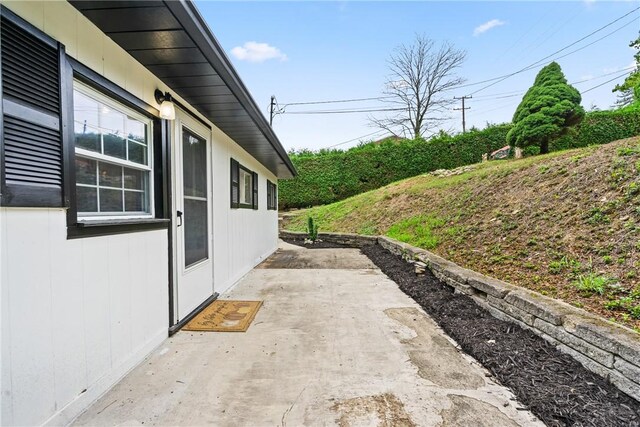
column 605, row 348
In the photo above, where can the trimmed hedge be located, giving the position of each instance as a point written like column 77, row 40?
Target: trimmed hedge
column 601, row 127
column 330, row 176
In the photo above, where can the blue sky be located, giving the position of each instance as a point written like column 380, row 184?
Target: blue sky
column 316, row 51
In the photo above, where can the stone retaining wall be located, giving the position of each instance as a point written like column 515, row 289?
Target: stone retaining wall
column 603, row 347
column 606, row 348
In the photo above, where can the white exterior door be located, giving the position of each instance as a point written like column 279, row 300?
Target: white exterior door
column 193, row 252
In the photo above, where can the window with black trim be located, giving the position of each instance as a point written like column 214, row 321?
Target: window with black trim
column 244, row 187
column 121, row 169
column 113, row 158
column 117, row 174
column 272, row 196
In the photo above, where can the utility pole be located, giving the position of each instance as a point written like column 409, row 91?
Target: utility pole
column 271, row 112
column 464, row 124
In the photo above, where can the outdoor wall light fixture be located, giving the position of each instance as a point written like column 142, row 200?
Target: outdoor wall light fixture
column 167, row 109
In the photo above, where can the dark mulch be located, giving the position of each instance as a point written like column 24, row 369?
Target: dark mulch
column 554, row 386
column 316, row 245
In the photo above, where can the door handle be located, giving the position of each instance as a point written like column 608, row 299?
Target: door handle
column 179, row 214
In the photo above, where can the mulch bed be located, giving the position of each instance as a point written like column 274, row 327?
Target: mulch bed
column 552, row 385
column 318, row 244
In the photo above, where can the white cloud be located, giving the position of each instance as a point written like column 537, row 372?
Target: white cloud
column 487, row 26
column 257, row 52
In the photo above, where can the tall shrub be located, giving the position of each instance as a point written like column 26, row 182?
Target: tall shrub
column 547, row 111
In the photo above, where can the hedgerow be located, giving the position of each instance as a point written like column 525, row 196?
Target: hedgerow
column 331, row 175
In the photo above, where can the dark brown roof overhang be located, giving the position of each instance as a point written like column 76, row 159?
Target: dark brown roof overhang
column 172, row 40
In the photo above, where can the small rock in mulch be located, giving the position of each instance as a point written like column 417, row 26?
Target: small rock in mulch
column 553, row 386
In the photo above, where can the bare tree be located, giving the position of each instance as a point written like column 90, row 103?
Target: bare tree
column 415, row 91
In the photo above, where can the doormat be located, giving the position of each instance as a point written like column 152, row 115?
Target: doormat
column 225, row 316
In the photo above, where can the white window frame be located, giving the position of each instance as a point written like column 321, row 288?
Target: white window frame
column 241, row 188
column 92, row 155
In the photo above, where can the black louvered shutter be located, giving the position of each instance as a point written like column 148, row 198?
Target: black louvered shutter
column 235, row 184
column 255, row 190
column 32, row 152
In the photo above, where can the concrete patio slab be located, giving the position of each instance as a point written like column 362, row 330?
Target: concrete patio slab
column 329, row 347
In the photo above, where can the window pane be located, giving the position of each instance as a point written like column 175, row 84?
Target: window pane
column 110, row 200
column 110, row 175
column 136, row 130
column 88, row 138
column 194, row 160
column 112, row 121
column 195, row 231
column 134, row 201
column 246, row 187
column 114, row 146
column 137, row 153
column 85, row 112
column 134, row 179
column 87, row 199
column 110, row 130
column 85, row 171
column 85, row 109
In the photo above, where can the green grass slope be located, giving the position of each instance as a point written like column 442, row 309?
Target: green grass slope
column 566, row 224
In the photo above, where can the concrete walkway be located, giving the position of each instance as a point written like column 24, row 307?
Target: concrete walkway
column 336, row 343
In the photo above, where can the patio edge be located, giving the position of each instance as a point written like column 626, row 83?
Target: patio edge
column 603, row 347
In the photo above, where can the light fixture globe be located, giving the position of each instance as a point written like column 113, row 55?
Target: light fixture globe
column 167, row 109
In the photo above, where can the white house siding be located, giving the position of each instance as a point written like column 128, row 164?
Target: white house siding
column 78, row 314
column 241, row 237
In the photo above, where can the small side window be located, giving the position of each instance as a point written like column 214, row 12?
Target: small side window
column 272, row 196
column 244, row 187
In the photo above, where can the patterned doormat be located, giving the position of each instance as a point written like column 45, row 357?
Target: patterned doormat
column 225, row 316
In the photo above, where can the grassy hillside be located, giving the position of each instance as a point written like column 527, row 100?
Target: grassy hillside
column 566, row 224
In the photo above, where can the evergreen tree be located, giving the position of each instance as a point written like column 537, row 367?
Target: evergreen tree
column 547, row 111
column 630, row 88
column 625, row 97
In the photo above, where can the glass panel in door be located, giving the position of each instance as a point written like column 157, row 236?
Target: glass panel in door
column 194, row 181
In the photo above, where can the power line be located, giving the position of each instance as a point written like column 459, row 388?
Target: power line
column 355, row 139
column 346, row 111
column 336, row 101
column 504, row 95
column 493, row 109
column 562, row 49
column 549, row 33
column 494, row 81
column 498, row 79
column 523, row 35
column 498, row 96
column 608, row 81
